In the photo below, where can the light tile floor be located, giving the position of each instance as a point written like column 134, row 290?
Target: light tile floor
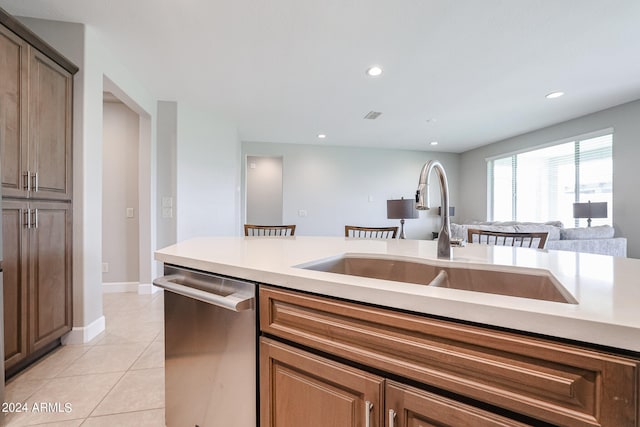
column 115, row 380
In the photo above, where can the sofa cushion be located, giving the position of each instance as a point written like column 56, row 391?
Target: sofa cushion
column 553, row 231
column 613, row 247
column 459, row 231
column 584, row 233
column 552, row 223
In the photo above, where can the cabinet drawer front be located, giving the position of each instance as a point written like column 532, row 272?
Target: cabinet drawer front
column 557, row 383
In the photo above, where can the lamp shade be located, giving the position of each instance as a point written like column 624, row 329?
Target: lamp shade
column 452, row 210
column 590, row 210
column 401, row 209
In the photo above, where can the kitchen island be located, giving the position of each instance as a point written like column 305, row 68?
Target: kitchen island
column 565, row 363
column 607, row 288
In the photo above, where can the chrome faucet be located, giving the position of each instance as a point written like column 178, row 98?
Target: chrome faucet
column 422, row 203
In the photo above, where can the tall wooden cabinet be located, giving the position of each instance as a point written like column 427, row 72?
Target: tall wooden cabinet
column 36, row 85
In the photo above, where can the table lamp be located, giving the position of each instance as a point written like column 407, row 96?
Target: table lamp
column 401, row 209
column 590, row 210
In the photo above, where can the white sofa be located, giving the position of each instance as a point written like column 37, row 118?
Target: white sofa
column 595, row 240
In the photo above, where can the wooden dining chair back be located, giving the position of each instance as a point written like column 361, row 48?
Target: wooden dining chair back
column 269, row 230
column 370, row 232
column 499, row 238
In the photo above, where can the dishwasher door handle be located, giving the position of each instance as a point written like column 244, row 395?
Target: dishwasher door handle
column 237, row 301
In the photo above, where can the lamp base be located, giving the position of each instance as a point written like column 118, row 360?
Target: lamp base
column 402, row 235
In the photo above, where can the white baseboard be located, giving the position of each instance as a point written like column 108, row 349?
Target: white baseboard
column 84, row 334
column 147, row 289
column 113, row 287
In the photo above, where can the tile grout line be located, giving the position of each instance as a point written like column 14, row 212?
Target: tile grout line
column 150, row 310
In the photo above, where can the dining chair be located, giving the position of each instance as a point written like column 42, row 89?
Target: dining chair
column 500, row 238
column 370, row 232
column 269, row 230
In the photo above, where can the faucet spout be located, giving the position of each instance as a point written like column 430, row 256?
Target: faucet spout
column 422, row 203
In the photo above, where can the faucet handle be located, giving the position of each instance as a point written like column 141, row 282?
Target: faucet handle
column 457, row 243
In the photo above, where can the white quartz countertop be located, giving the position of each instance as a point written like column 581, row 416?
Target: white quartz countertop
column 607, row 288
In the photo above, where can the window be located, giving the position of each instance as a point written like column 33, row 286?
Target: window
column 542, row 184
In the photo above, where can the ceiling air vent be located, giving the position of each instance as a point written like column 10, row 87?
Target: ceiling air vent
column 372, row 115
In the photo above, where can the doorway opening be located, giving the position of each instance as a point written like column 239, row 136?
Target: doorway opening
column 126, row 194
column 264, row 199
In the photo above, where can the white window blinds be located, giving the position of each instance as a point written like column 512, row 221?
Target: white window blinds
column 542, row 184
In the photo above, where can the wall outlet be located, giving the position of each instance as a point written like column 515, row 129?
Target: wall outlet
column 302, row 212
column 167, row 212
column 129, row 212
column 105, row 267
column 167, row 202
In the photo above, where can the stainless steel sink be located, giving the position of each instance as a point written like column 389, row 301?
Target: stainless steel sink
column 529, row 283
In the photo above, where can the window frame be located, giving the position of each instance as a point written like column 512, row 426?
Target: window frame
column 490, row 163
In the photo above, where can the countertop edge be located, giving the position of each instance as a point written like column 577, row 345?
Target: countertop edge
column 615, row 336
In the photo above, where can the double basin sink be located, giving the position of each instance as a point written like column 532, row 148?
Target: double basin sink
column 529, row 283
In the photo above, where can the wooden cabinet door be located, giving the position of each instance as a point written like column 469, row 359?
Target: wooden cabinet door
column 14, row 264
column 13, row 113
column 408, row 406
column 300, row 389
column 50, row 310
column 50, row 110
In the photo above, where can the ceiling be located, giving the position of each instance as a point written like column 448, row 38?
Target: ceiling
column 464, row 73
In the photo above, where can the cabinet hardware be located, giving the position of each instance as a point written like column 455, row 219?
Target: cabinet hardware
column 34, row 221
column 34, row 184
column 26, row 185
column 392, row 418
column 26, row 218
column 368, row 407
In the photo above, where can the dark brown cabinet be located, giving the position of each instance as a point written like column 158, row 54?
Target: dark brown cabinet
column 15, row 266
column 35, row 122
column 50, row 108
column 13, row 113
column 37, row 275
column 36, row 87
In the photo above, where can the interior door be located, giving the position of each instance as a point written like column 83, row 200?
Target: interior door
column 264, row 190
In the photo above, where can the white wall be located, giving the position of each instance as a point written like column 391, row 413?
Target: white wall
column 337, row 186
column 624, row 119
column 166, row 180
column 208, row 175
column 120, row 234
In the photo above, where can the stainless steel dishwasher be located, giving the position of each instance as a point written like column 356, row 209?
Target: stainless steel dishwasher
column 210, row 350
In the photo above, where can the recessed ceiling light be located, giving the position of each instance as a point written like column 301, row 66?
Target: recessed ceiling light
column 553, row 95
column 321, row 136
column 433, row 143
column 374, row 71
column 432, row 120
